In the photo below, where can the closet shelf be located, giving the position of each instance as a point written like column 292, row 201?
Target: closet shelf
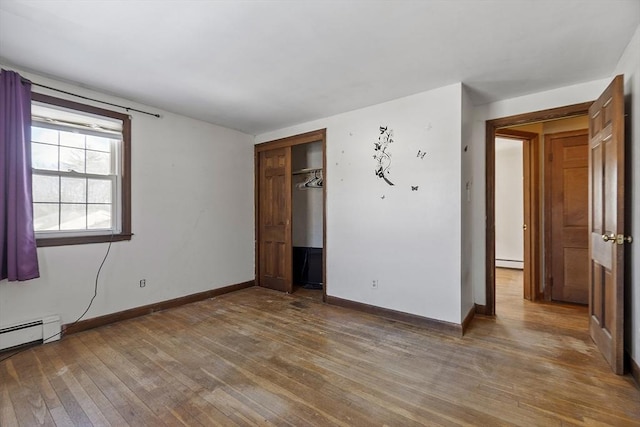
column 307, row 170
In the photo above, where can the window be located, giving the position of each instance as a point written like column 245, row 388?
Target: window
column 80, row 158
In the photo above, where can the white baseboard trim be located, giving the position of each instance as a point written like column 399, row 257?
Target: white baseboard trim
column 507, row 263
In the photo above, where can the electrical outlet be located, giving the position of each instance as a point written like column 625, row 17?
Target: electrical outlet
column 374, row 284
column 143, row 283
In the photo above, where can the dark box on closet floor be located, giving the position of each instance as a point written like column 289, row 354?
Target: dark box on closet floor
column 307, row 267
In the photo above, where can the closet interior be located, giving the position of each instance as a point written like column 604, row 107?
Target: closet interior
column 307, row 216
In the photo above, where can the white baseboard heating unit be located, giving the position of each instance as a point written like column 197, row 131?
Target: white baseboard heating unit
column 42, row 330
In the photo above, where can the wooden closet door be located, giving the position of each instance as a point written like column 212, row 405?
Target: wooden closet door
column 274, row 222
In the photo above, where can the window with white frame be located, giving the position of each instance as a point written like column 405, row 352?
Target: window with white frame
column 80, row 176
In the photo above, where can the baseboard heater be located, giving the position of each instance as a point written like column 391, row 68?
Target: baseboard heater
column 42, row 330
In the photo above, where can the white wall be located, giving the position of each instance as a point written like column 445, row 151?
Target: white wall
column 466, row 185
column 410, row 241
column 509, row 199
column 192, row 219
column 629, row 65
column 307, row 204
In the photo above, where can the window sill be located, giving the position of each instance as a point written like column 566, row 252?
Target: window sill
column 82, row 240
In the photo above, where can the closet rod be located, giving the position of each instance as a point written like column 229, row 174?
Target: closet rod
column 305, row 171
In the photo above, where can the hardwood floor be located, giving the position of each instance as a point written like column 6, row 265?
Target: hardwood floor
column 259, row 357
column 301, row 292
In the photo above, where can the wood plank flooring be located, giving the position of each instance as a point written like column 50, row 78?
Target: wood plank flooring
column 259, row 357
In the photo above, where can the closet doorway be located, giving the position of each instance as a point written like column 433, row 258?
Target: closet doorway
column 290, row 194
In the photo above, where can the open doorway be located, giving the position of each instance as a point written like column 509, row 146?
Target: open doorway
column 522, row 235
column 605, row 214
column 517, row 210
column 511, row 224
column 549, row 258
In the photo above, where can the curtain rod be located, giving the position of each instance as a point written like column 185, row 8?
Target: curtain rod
column 91, row 99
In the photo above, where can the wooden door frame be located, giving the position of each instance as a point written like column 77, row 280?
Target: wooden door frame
column 531, row 199
column 304, row 138
column 547, row 208
column 490, row 191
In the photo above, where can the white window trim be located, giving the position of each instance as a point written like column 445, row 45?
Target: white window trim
column 106, row 123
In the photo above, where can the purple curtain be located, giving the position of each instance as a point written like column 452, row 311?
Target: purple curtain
column 17, row 239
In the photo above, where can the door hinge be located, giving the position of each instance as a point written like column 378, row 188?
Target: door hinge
column 551, row 157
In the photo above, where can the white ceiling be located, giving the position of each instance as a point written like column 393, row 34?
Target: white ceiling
column 257, row 66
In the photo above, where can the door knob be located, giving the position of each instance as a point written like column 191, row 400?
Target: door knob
column 619, row 239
